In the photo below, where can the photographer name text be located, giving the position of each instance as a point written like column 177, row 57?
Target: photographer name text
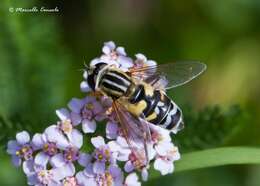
column 34, row 9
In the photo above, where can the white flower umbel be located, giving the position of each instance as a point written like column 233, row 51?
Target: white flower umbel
column 51, row 157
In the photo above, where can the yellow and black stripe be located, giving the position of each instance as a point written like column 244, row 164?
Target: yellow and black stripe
column 139, row 98
column 157, row 108
column 115, row 83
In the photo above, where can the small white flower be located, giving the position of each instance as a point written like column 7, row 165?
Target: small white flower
column 86, row 111
column 132, row 180
column 164, row 162
column 141, row 61
column 113, row 55
column 103, row 154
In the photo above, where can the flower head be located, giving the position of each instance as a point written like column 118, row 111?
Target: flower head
column 142, row 62
column 113, row 55
column 40, row 175
column 112, row 176
column 103, row 155
column 86, row 111
column 49, row 143
column 21, row 148
column 164, row 160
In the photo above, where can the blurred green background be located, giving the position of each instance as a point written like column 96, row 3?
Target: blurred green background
column 40, row 54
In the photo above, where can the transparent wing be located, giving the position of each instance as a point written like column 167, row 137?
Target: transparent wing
column 136, row 132
column 170, row 75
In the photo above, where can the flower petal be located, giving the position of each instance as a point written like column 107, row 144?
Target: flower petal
column 129, row 167
column 111, row 130
column 161, row 150
column 84, row 86
column 76, row 138
column 84, row 180
column 163, row 166
column 132, row 180
column 28, row 167
column 84, row 159
column 76, row 105
column 163, row 147
column 113, row 146
column 95, row 61
column 12, row 147
column 32, row 179
column 41, row 159
column 125, row 62
column 99, row 167
column 151, row 63
column 37, row 141
column 123, row 155
column 16, row 160
column 108, row 47
column 55, row 135
column 141, row 57
column 68, row 170
column 98, row 141
column 64, row 171
column 117, row 175
column 88, row 171
column 115, row 171
column 144, row 174
column 57, row 160
column 106, row 50
column 122, row 142
column 88, row 126
column 23, row 137
column 121, row 51
column 63, row 113
column 98, row 108
column 75, row 118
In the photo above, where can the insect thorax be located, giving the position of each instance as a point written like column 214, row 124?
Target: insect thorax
column 115, row 83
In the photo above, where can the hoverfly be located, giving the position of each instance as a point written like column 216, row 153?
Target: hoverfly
column 139, row 98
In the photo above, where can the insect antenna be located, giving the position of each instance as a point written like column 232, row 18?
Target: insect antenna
column 86, row 67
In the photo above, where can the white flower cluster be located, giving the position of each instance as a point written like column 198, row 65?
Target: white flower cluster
column 50, row 157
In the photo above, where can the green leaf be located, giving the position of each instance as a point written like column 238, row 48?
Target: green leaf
column 216, row 157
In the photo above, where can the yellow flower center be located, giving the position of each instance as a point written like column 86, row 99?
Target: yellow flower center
column 100, row 157
column 107, row 152
column 66, row 126
column 89, row 106
column 46, row 146
column 24, row 149
column 109, row 179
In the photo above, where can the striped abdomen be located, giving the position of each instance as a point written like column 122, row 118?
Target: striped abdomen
column 159, row 109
